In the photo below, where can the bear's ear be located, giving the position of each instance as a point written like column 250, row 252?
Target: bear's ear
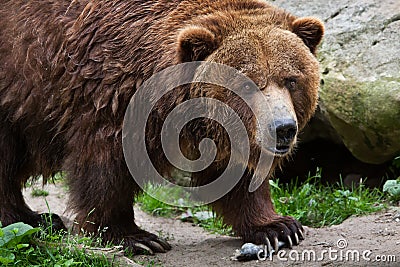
column 195, row 44
column 310, row 30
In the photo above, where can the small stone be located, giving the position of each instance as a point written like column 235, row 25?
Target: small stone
column 249, row 251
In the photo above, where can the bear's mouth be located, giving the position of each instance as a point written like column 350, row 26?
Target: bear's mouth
column 280, row 150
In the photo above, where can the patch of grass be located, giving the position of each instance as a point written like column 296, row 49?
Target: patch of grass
column 214, row 225
column 311, row 202
column 317, row 205
column 158, row 208
column 181, row 208
column 37, row 192
column 23, row 245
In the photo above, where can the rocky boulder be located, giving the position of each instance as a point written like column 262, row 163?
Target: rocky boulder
column 360, row 61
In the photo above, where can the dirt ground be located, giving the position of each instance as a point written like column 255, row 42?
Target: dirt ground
column 372, row 240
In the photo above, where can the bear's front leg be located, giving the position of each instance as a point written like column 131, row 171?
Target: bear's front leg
column 102, row 193
column 253, row 216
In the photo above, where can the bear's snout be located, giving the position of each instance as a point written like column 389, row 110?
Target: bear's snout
column 286, row 131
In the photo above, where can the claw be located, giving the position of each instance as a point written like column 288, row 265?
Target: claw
column 156, row 247
column 144, row 247
column 276, row 244
column 296, row 239
column 290, row 243
column 269, row 247
column 164, row 244
column 301, row 234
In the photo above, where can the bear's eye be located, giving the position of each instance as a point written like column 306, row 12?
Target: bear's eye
column 291, row 83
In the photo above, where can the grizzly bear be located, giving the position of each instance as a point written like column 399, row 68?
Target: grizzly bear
column 69, row 69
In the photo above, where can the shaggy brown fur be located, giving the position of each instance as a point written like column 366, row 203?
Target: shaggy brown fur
column 69, row 68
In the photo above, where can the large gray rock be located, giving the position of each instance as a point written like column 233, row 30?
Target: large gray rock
column 360, row 59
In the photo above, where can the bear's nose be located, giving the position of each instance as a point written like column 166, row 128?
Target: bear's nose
column 286, row 131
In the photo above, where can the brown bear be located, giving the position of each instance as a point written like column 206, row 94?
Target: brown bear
column 69, row 69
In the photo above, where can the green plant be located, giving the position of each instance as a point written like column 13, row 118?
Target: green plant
column 392, row 188
column 39, row 193
column 13, row 238
column 23, row 245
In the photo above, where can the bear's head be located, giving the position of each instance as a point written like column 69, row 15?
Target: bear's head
column 278, row 57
